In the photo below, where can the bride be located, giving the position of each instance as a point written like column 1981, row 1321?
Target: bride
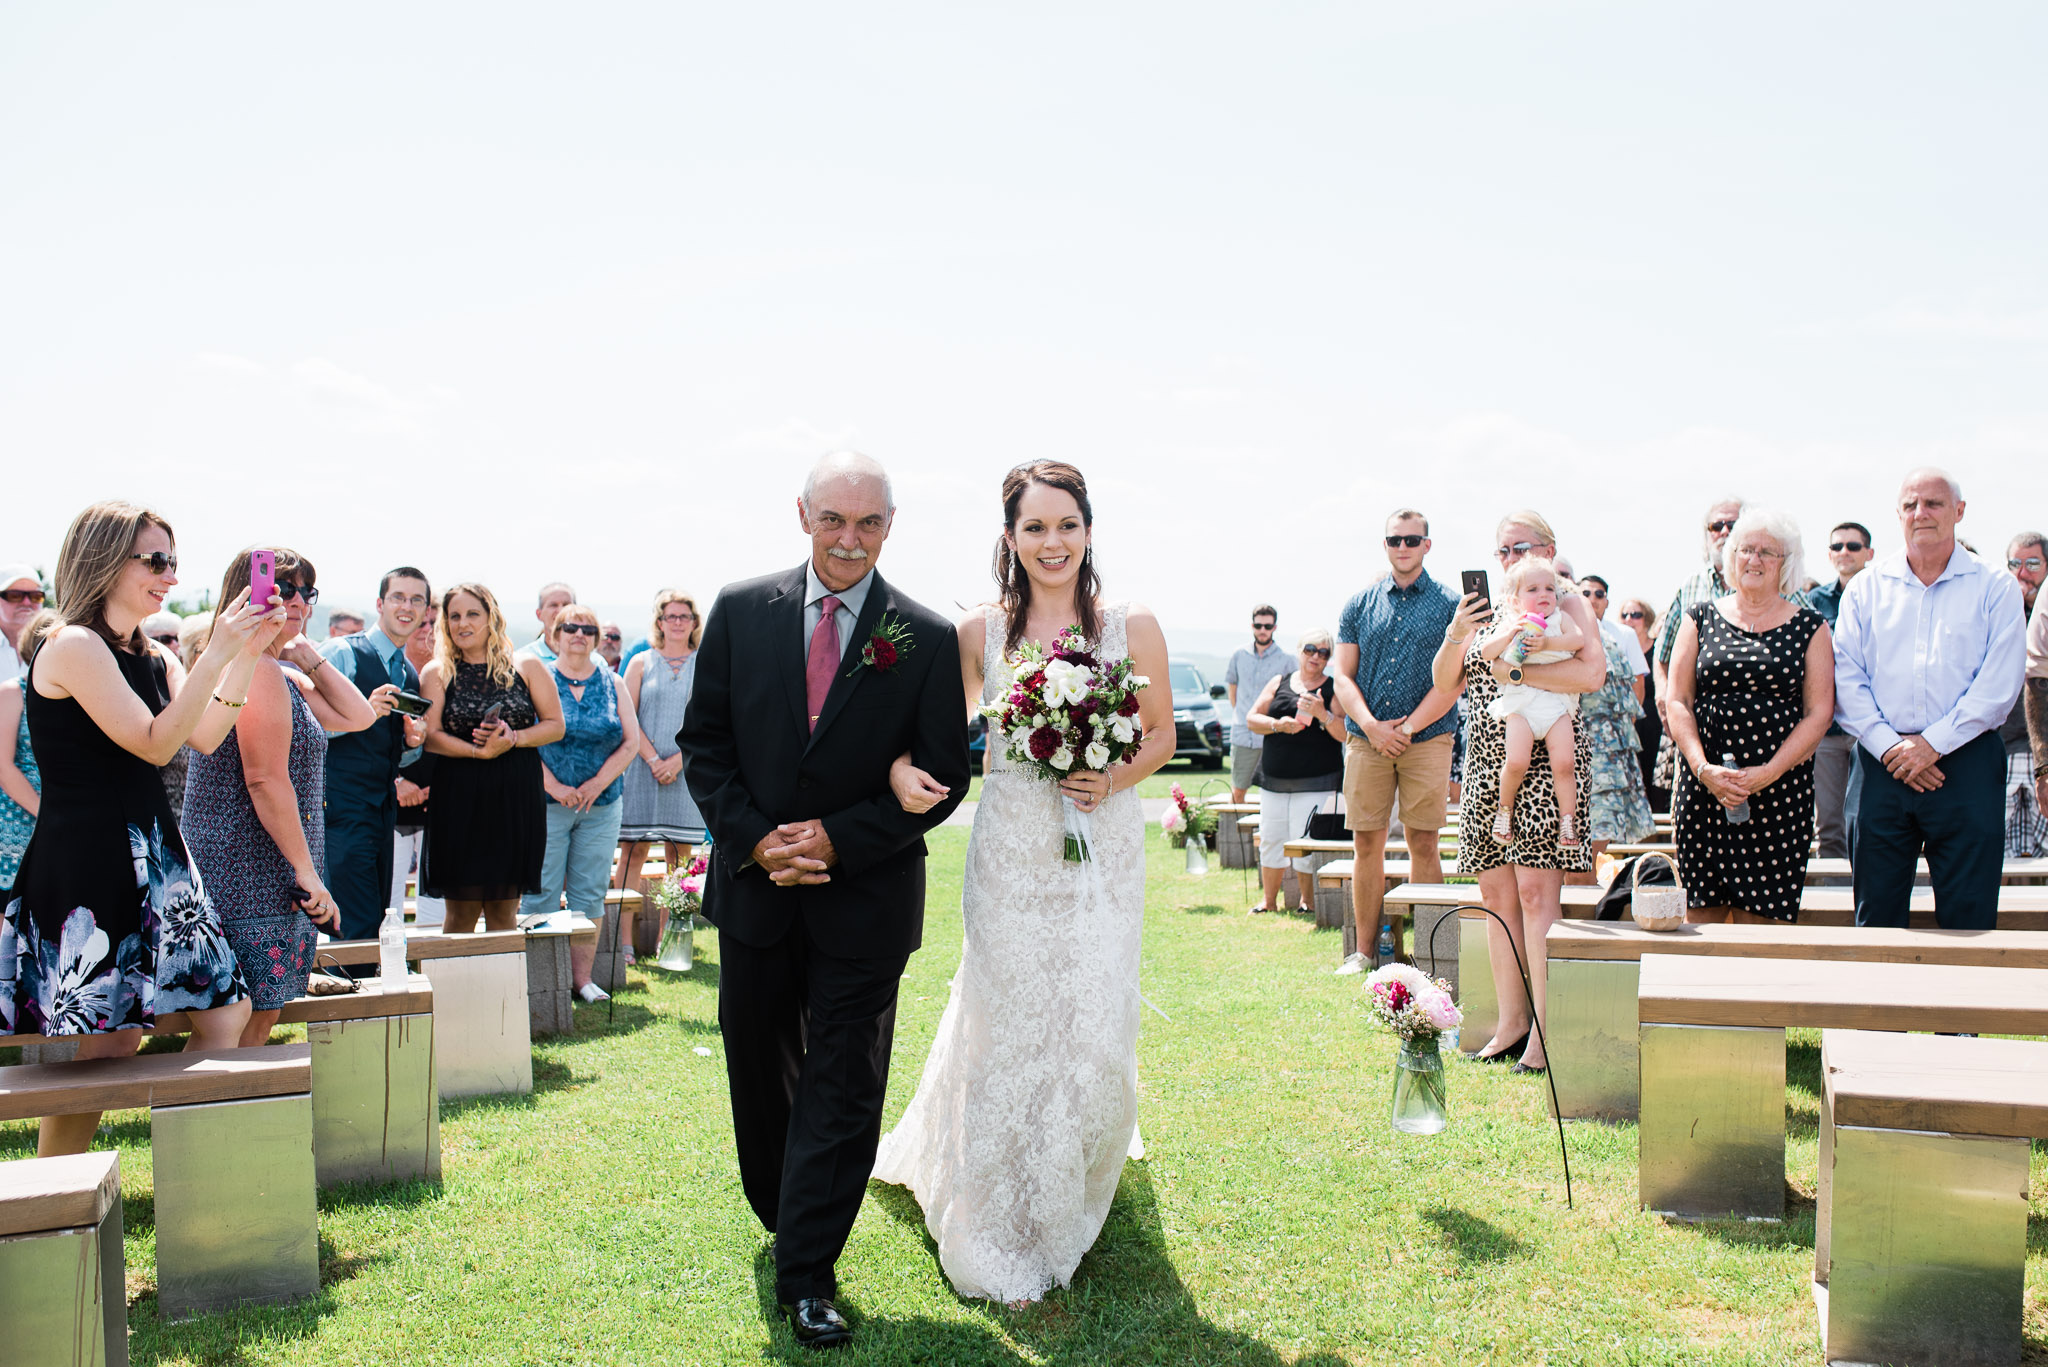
column 1028, row 1105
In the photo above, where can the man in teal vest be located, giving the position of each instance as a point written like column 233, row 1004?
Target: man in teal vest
column 362, row 766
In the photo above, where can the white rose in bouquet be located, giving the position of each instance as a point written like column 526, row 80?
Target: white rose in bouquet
column 1067, row 683
column 1097, row 756
column 1062, row 758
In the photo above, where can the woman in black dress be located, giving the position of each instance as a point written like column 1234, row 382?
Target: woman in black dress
column 488, row 713
column 1752, row 675
column 1640, row 618
column 108, row 924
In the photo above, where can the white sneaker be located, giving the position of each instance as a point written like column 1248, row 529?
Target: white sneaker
column 592, row 993
column 1354, row 963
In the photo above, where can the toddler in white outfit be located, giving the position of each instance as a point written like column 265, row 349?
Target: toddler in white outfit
column 1534, row 632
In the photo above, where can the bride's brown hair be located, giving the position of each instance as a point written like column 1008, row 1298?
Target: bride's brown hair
column 1010, row 575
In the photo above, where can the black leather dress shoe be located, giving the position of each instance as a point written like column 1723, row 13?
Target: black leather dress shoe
column 816, row 1323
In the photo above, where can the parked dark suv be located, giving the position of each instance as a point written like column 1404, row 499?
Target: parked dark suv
column 1201, row 725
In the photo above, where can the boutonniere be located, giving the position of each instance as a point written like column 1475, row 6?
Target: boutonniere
column 886, row 647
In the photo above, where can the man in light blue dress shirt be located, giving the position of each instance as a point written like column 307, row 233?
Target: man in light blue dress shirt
column 1930, row 652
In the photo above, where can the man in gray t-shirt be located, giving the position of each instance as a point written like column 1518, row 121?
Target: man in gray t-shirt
column 1247, row 675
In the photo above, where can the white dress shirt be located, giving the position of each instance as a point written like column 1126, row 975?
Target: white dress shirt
column 850, row 603
column 11, row 667
column 1942, row 661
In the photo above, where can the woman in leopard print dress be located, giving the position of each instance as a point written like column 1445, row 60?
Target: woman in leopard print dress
column 1520, row 881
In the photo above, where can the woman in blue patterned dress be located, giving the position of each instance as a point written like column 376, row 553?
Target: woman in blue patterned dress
column 658, row 805
column 255, row 803
column 20, row 788
column 108, row 924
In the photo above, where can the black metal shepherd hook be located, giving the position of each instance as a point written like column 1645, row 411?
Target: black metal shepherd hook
column 1556, row 1112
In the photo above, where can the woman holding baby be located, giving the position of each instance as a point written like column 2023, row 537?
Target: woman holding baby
column 1523, row 666
column 1751, row 693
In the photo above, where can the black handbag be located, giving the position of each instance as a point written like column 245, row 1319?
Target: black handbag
column 1615, row 904
column 1329, row 825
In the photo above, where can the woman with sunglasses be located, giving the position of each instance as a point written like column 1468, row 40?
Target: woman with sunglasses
column 1639, row 619
column 1303, row 727
column 108, row 924
column 21, row 598
column 255, row 802
column 1521, row 880
column 580, row 773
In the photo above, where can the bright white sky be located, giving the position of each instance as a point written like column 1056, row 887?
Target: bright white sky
column 521, row 291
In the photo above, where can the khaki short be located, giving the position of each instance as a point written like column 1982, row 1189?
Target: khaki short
column 1421, row 777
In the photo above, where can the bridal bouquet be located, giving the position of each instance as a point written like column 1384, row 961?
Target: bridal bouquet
column 1066, row 711
column 1410, row 1003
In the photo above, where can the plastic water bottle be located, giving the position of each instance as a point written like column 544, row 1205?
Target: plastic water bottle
column 1740, row 813
column 391, row 947
column 1386, row 947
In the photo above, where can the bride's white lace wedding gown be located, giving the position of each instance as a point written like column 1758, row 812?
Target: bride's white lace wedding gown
column 1028, row 1105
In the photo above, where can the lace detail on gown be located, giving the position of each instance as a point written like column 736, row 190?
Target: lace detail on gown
column 1028, row 1105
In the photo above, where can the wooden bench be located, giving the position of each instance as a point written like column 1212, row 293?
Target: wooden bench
column 1591, row 1016
column 1920, row 1236
column 60, row 1261
column 376, row 1112
column 231, row 1144
column 1712, row 1033
column 483, row 1028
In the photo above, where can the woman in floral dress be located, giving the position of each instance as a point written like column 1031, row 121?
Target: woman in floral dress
column 108, row 924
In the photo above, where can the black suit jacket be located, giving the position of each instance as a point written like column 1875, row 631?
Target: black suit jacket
column 753, row 763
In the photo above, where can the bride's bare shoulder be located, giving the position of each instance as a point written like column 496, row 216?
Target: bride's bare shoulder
column 973, row 629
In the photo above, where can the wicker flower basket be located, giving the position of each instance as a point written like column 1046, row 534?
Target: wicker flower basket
column 1655, row 907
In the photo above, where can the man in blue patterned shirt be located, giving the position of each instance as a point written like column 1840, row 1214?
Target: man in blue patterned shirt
column 1399, row 737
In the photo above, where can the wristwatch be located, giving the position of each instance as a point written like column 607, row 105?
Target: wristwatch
column 1514, row 674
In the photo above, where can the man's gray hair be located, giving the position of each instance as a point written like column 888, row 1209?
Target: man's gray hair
column 1707, row 537
column 1779, row 527
column 1316, row 636
column 545, row 589
column 2030, row 539
column 851, row 466
column 1955, row 486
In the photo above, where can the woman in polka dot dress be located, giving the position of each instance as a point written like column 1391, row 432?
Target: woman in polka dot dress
column 1752, row 675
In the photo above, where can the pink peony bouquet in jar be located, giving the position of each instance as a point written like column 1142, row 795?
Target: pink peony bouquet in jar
column 1410, row 1003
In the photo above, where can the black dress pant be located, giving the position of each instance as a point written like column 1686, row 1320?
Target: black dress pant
column 1959, row 828
column 359, row 864
column 807, row 1038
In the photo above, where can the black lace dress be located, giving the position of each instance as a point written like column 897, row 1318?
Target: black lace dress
column 488, row 827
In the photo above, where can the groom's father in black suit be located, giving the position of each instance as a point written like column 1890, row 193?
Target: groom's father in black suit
column 809, row 684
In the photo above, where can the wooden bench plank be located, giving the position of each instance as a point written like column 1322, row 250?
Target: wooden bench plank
column 1857, row 944
column 38, row 1194
column 372, row 999
column 1933, row 1082
column 118, row 1084
column 421, row 945
column 1691, row 989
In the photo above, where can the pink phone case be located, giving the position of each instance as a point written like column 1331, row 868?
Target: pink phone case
column 262, row 577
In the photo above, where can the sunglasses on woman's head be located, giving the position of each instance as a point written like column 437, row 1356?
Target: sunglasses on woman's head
column 34, row 596
column 158, row 561
column 579, row 629
column 1408, row 539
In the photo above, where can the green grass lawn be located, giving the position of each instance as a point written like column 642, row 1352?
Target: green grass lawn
column 1276, row 1220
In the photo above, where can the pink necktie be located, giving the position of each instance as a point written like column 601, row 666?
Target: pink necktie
column 823, row 661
